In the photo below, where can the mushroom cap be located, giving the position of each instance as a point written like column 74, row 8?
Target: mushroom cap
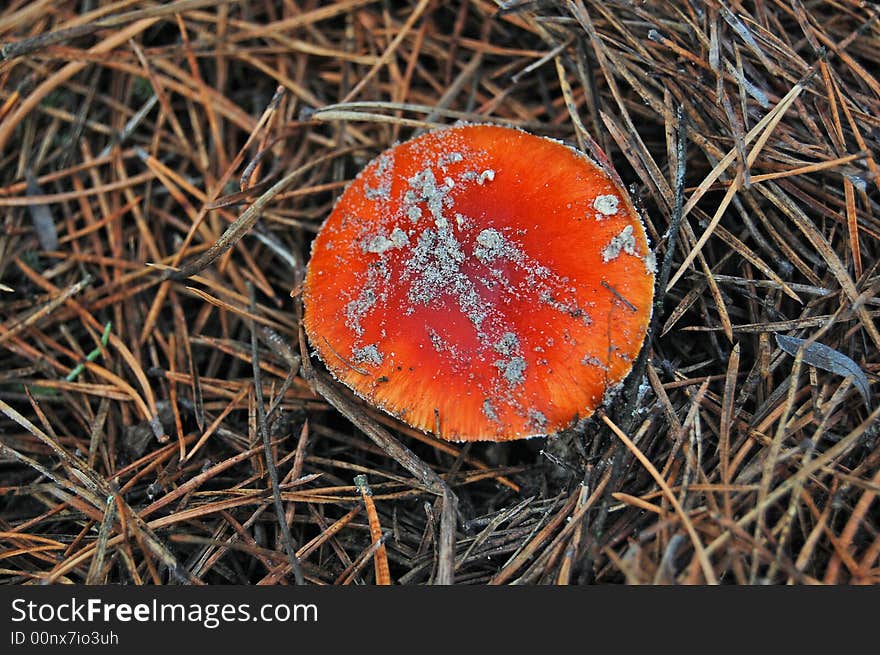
column 481, row 283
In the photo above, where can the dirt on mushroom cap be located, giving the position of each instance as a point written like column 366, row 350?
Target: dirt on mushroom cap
column 480, row 282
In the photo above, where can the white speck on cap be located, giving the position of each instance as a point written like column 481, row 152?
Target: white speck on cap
column 624, row 241
column 606, row 205
column 367, row 355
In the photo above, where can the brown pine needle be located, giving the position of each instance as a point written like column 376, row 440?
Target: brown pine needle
column 380, row 556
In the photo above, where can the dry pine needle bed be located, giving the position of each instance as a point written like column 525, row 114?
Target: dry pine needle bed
column 165, row 167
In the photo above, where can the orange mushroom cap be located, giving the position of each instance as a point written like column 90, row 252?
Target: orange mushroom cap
column 481, row 283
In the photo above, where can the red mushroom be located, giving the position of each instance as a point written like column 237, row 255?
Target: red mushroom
column 481, row 283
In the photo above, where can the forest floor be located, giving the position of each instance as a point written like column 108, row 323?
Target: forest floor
column 160, row 422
